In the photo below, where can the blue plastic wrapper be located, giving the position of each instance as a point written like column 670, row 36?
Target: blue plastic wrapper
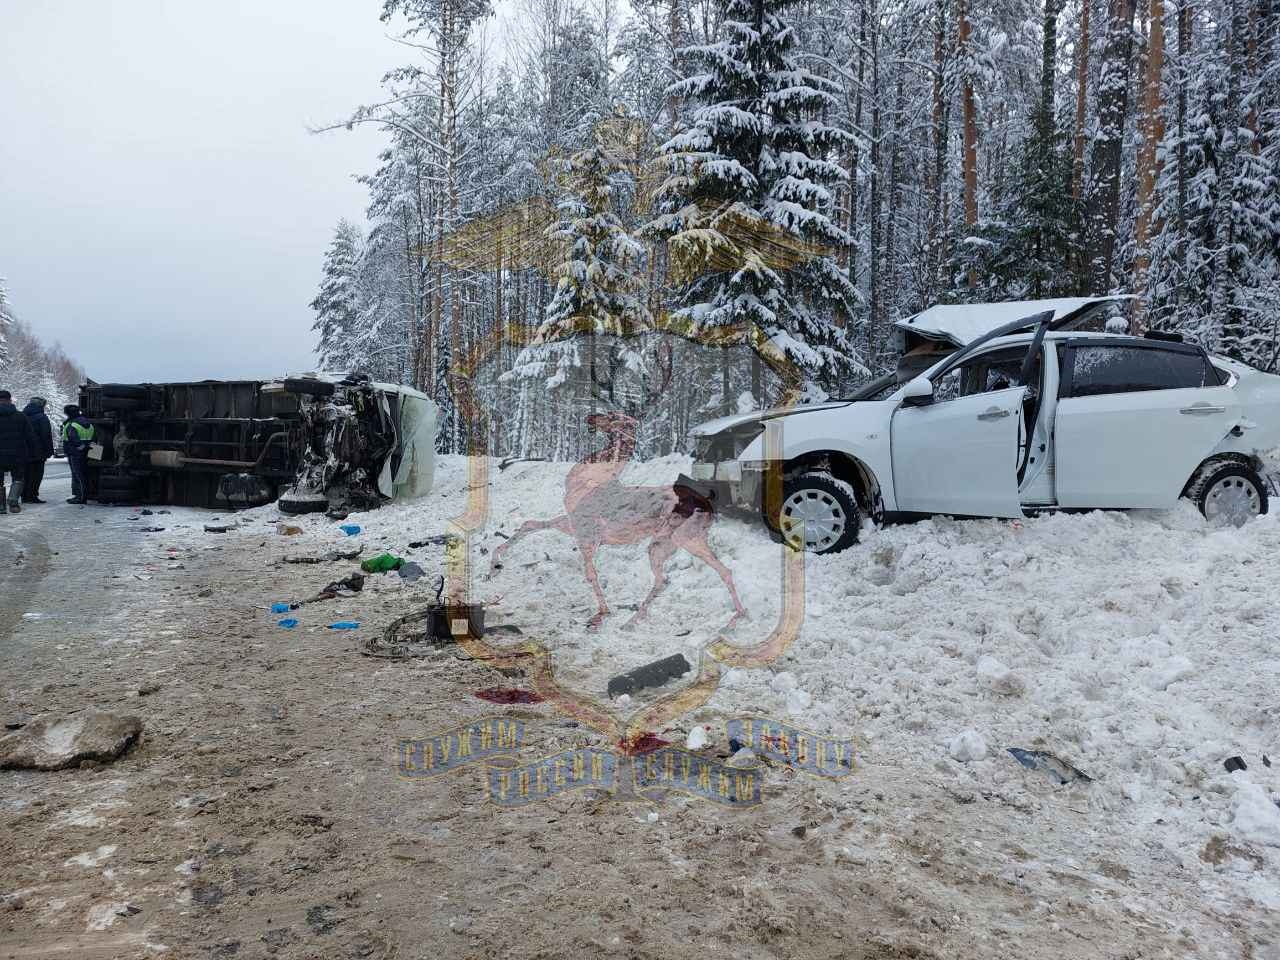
column 344, row 625
column 350, row 529
column 279, row 608
column 288, row 623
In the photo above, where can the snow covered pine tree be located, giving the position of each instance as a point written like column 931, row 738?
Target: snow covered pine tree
column 746, row 207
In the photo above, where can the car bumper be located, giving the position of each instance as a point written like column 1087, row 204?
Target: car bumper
column 728, row 485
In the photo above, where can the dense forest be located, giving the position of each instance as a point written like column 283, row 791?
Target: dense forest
column 812, row 171
column 29, row 369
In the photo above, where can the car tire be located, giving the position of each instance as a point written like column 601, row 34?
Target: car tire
column 824, row 508
column 1228, row 492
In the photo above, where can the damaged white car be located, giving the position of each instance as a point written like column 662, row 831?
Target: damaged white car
column 1023, row 419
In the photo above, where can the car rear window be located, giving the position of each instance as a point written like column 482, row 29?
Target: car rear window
column 1103, row 368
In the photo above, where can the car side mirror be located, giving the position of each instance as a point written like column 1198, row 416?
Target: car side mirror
column 918, row 391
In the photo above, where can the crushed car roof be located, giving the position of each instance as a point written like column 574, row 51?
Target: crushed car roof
column 962, row 323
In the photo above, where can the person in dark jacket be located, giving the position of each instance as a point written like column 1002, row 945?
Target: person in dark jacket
column 17, row 448
column 77, row 436
column 34, row 411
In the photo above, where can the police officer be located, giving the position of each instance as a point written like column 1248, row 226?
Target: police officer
column 18, row 447
column 77, row 434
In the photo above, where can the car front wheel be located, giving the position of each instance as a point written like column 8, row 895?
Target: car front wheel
column 1228, row 493
column 819, row 513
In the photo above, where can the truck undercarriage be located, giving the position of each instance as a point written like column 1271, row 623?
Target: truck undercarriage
column 314, row 442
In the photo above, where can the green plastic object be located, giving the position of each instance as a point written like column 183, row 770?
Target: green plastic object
column 382, row 563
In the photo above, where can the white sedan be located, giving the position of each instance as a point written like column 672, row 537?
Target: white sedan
column 1024, row 419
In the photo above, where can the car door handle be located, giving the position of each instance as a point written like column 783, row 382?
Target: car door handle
column 993, row 413
column 1201, row 410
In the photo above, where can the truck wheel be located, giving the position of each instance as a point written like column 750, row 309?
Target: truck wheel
column 296, row 506
column 819, row 513
column 1228, row 492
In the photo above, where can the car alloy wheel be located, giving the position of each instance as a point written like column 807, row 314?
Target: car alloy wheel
column 1232, row 500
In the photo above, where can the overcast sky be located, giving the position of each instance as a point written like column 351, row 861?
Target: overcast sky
column 163, row 209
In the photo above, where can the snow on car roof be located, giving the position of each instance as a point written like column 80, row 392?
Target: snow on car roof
column 962, row 323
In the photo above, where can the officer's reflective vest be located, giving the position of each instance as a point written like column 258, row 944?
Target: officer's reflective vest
column 83, row 432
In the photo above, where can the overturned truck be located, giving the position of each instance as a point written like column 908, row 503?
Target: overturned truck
column 313, row 442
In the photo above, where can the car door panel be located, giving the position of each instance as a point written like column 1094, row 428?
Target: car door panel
column 1137, row 449
column 959, row 456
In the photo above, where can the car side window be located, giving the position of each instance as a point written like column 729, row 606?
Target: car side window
column 985, row 373
column 1106, row 368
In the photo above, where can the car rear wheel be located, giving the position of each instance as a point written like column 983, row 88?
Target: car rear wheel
column 1228, row 493
column 819, row 514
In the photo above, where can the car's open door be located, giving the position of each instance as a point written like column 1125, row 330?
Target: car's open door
column 959, row 456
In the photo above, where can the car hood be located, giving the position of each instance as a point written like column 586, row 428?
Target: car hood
column 712, row 427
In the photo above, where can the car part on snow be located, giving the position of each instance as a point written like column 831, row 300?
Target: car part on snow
column 1232, row 764
column 650, row 675
column 1055, row 768
column 347, row 586
column 382, row 563
column 818, row 513
column 1228, row 492
column 332, row 556
column 426, row 631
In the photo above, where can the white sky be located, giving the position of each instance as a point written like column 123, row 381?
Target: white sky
column 163, row 209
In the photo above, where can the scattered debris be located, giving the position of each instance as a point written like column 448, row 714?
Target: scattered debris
column 411, row 573
column 288, row 623
column 337, row 514
column 697, row 738
column 382, row 563
column 148, row 688
column 799, row 832
column 350, row 529
column 151, row 529
column 348, row 585
column 217, row 528
column 428, row 630
column 59, row 742
column 332, row 556
column 1054, row 767
column 650, row 675
column 968, row 746
column 345, row 625
column 508, row 695
column 1235, row 763
column 288, row 529
column 440, row 540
